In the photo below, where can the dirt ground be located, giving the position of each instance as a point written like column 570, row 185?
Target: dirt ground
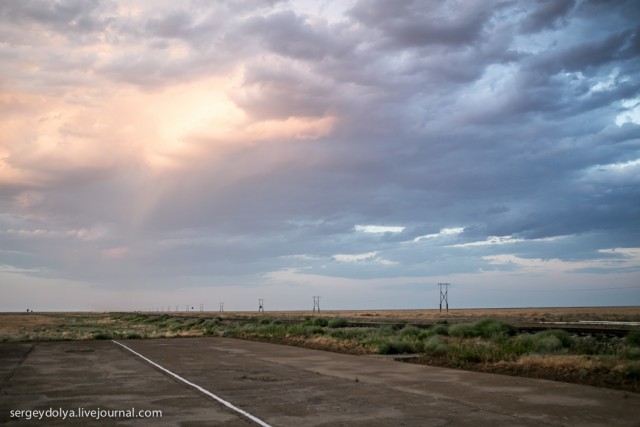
column 284, row 386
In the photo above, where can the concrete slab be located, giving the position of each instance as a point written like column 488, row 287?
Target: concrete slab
column 97, row 375
column 289, row 386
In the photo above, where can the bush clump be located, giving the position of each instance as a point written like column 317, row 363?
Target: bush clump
column 210, row 323
column 633, row 338
column 316, row 322
column 395, row 346
column 435, row 345
column 338, row 322
column 439, row 330
column 551, row 341
column 410, row 332
column 104, row 335
column 485, row 328
column 630, row 353
column 491, row 328
column 133, row 336
column 462, row 330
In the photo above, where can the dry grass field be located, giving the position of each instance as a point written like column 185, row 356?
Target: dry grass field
column 41, row 326
column 512, row 315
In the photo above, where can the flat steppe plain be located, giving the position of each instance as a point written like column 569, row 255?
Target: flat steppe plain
column 455, row 315
column 12, row 323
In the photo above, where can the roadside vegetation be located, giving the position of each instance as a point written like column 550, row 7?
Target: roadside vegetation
column 485, row 345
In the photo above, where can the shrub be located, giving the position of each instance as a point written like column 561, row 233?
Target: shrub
column 139, row 318
column 211, row 323
column 353, row 333
column 439, row 330
column 315, row 322
column 395, row 346
column 563, row 336
column 550, row 341
column 471, row 351
column 410, row 331
column 485, row 328
column 462, row 330
column 632, row 371
column 386, row 330
column 435, row 345
column 316, row 330
column 633, row 338
column 491, row 328
column 297, row 330
column 338, row 322
column 547, row 344
column 630, row 353
column 175, row 325
column 264, row 321
column 102, row 336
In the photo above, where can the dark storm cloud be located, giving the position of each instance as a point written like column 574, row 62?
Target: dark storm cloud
column 619, row 46
column 416, row 23
column 548, row 14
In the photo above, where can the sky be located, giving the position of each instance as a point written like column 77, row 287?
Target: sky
column 163, row 154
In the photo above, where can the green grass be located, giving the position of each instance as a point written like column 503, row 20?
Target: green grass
column 436, row 345
column 485, row 328
column 338, row 322
column 633, row 338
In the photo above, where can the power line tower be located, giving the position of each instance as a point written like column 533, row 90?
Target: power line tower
column 316, row 304
column 201, row 308
column 260, row 306
column 221, row 307
column 444, row 295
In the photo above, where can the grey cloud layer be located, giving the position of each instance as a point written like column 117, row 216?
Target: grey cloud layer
column 480, row 115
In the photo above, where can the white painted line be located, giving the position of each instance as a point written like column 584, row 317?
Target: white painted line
column 197, row 387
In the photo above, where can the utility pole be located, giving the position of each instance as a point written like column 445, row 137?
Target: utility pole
column 260, row 306
column 444, row 295
column 316, row 304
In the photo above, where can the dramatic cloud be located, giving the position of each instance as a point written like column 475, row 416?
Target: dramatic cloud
column 162, row 152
